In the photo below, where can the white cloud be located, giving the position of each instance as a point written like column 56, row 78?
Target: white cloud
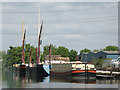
column 62, row 7
column 111, row 5
column 73, row 36
column 58, row 26
column 11, row 28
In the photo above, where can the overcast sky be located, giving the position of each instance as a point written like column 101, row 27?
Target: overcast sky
column 75, row 25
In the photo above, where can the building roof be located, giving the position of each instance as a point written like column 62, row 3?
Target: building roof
column 107, row 52
column 112, row 52
column 93, row 52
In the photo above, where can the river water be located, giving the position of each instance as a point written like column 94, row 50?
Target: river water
column 11, row 79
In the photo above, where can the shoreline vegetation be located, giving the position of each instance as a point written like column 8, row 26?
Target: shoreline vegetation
column 13, row 54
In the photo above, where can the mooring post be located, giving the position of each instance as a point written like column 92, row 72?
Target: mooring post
column 111, row 72
column 111, row 76
column 85, row 69
column 87, row 75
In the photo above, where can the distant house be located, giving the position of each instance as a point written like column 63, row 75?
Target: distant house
column 88, row 57
column 112, row 54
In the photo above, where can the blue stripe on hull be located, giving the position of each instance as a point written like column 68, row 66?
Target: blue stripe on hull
column 47, row 68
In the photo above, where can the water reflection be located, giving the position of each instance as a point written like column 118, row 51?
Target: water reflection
column 73, row 79
column 15, row 80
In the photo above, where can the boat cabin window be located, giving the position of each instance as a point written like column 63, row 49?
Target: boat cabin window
column 78, row 68
column 73, row 68
column 91, row 68
column 100, row 57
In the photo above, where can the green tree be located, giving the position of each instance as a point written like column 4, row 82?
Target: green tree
column 33, row 54
column 3, row 57
column 46, row 50
column 72, row 55
column 98, row 63
column 27, row 53
column 111, row 48
column 63, row 51
column 2, row 54
column 85, row 50
column 42, row 57
column 14, row 55
column 95, row 50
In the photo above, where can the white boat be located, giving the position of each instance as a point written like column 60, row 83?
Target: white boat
column 116, row 62
column 82, row 69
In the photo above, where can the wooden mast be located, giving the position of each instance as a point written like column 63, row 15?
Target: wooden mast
column 50, row 54
column 39, row 43
column 30, row 57
column 23, row 53
column 23, row 40
column 38, row 50
column 24, row 44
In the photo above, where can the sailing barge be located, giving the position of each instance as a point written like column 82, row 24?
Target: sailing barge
column 40, row 69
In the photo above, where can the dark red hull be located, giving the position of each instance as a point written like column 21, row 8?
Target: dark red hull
column 22, row 70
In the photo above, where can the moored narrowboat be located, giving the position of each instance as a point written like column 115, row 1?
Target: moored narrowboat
column 83, row 69
column 61, row 69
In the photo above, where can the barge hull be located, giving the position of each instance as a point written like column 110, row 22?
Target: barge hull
column 60, row 73
column 88, row 73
